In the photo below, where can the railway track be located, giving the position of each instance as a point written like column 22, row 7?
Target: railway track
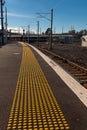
column 77, row 71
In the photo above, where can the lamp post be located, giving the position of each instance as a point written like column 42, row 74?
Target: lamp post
column 26, row 30
column 23, row 35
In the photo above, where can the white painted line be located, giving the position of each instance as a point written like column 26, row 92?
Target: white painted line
column 75, row 86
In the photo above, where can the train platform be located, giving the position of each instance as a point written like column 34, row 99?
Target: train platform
column 35, row 93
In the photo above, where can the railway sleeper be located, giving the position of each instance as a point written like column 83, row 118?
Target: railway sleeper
column 74, row 71
column 82, row 78
column 80, row 74
column 84, row 81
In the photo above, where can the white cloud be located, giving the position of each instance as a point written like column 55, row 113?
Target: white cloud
column 20, row 15
column 20, row 29
column 13, row 29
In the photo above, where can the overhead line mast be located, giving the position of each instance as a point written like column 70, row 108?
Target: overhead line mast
column 6, row 25
column 51, row 24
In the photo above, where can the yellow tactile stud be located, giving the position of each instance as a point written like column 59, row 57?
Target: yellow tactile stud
column 34, row 105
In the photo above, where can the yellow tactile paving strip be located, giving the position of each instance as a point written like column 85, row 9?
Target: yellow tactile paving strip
column 34, row 105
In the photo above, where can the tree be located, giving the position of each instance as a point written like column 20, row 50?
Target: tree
column 72, row 32
column 48, row 31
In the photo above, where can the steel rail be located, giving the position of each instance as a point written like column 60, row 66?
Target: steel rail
column 77, row 71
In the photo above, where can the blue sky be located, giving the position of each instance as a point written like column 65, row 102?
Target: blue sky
column 67, row 14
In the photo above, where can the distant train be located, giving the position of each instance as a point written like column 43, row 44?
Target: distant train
column 65, row 39
column 30, row 38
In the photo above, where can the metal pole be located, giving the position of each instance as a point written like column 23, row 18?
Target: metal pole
column 38, row 32
column 23, row 35
column 28, row 33
column 62, row 29
column 51, row 28
column 6, row 25
column 2, row 27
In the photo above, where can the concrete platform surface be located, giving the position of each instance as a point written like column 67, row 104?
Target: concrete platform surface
column 33, row 96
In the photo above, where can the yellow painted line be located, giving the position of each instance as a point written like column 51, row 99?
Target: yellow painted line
column 34, row 105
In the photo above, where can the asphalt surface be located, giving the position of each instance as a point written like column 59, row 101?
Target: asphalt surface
column 10, row 61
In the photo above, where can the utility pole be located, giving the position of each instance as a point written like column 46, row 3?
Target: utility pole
column 40, row 31
column 28, row 33
column 6, row 25
column 51, row 28
column 2, row 27
column 62, row 29
column 54, row 30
